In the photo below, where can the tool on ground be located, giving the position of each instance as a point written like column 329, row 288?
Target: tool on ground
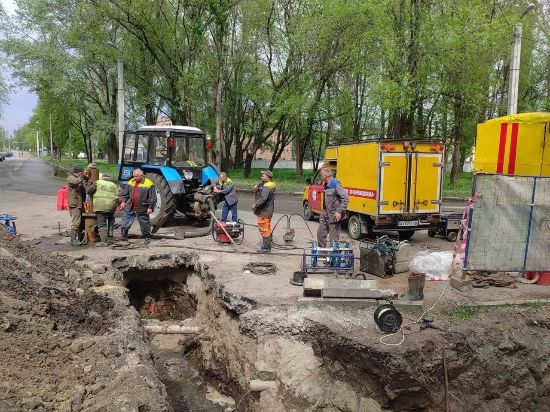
column 380, row 257
column 337, row 257
column 261, row 268
column 9, row 222
column 448, row 227
column 222, row 227
column 223, row 232
column 387, row 318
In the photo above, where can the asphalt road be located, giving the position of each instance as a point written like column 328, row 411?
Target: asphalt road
column 31, row 175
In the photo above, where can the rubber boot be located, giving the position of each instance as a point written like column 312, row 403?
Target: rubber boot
column 146, row 240
column 262, row 248
column 74, row 237
column 111, row 230
column 103, row 233
column 123, row 235
column 266, row 245
column 416, row 287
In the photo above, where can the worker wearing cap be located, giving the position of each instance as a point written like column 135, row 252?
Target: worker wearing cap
column 335, row 202
column 105, row 193
column 226, row 188
column 264, row 207
column 76, row 184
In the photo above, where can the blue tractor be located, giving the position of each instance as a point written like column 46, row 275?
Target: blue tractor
column 175, row 159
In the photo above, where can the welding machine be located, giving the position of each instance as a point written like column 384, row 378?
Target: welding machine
column 221, row 232
column 336, row 257
column 9, row 222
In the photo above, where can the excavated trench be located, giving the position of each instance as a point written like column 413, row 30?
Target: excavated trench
column 249, row 358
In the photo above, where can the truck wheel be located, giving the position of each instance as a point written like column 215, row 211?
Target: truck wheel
column 451, row 236
column 166, row 203
column 432, row 232
column 354, row 227
column 308, row 213
column 406, row 234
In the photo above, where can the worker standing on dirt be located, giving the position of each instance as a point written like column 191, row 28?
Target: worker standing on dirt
column 105, row 193
column 76, row 184
column 226, row 188
column 264, row 207
column 335, row 202
column 139, row 201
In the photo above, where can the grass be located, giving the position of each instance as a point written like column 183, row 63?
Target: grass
column 465, row 313
column 286, row 179
column 462, row 188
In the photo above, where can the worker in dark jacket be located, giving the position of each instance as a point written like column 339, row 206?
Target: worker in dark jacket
column 139, row 201
column 226, row 188
column 76, row 184
column 105, row 193
column 264, row 207
column 335, row 202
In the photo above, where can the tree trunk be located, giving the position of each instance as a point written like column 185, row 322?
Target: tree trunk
column 248, row 165
column 455, row 170
column 112, row 148
column 222, row 158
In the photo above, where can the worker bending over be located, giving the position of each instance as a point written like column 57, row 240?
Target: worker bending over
column 226, row 188
column 263, row 208
column 335, row 202
column 105, row 193
column 139, row 201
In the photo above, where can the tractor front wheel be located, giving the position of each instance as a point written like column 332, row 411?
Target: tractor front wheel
column 166, row 204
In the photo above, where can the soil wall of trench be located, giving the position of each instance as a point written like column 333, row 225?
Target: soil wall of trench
column 314, row 361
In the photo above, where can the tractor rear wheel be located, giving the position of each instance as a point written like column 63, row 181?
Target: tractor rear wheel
column 166, row 204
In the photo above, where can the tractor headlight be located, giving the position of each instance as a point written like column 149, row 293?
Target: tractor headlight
column 188, row 174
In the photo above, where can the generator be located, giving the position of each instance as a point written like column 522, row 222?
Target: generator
column 383, row 257
column 336, row 257
column 222, row 232
column 9, row 222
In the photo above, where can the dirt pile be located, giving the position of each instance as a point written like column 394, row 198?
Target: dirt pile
column 64, row 344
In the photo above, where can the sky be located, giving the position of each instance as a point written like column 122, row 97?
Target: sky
column 21, row 101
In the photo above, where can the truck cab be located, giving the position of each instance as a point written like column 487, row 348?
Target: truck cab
column 175, row 159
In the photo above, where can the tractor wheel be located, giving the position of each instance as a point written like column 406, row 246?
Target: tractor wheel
column 406, row 234
column 308, row 213
column 166, row 204
column 354, row 227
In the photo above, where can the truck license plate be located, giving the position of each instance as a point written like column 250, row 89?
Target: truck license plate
column 407, row 223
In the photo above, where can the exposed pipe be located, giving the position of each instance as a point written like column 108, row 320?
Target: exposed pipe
column 257, row 385
column 206, row 230
column 172, row 329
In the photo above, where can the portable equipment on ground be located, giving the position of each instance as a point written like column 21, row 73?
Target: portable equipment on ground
column 448, row 227
column 174, row 158
column 387, row 318
column 392, row 185
column 9, row 222
column 381, row 256
column 336, row 257
column 222, row 232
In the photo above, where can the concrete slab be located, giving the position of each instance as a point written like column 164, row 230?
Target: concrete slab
column 351, row 303
column 357, row 293
column 463, row 285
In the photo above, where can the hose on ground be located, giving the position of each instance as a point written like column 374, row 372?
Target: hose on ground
column 261, row 268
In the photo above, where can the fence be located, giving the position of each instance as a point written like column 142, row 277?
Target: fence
column 510, row 224
column 281, row 164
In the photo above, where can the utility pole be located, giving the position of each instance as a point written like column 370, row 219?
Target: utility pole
column 120, row 108
column 515, row 60
column 513, row 85
column 51, row 137
column 37, row 145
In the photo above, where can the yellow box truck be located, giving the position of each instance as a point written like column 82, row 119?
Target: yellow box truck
column 514, row 145
column 392, row 185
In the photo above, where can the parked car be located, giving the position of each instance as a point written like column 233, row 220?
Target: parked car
column 81, row 155
column 9, row 154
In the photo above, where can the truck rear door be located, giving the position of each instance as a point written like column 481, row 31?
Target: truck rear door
column 393, row 183
column 426, row 170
